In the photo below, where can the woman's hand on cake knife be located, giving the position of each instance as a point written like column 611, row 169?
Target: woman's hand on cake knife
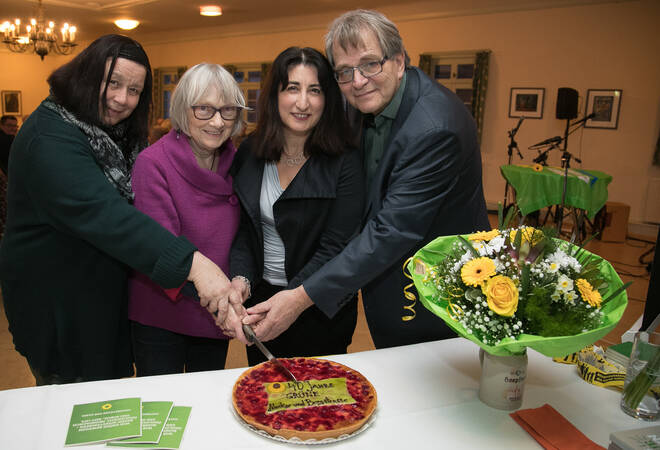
column 281, row 310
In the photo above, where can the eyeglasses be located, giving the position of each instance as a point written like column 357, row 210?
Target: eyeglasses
column 367, row 70
column 206, row 112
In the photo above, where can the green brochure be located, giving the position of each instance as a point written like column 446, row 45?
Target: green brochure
column 172, row 433
column 154, row 416
column 104, row 421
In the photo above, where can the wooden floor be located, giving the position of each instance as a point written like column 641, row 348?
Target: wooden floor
column 623, row 256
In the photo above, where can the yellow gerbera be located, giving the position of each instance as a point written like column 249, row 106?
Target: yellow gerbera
column 588, row 293
column 537, row 168
column 484, row 235
column 529, row 234
column 475, row 272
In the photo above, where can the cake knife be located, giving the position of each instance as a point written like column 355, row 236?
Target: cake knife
column 249, row 334
column 190, row 290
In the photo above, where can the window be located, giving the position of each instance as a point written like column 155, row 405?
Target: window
column 248, row 77
column 165, row 80
column 456, row 72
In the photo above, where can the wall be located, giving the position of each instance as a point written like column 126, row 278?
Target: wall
column 27, row 73
column 609, row 45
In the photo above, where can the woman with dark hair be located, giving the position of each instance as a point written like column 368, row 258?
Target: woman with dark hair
column 300, row 187
column 72, row 233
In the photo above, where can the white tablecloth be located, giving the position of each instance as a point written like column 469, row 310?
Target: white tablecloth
column 427, row 398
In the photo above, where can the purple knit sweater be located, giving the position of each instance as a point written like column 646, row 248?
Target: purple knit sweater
column 171, row 188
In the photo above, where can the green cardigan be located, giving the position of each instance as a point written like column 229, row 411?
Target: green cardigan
column 69, row 244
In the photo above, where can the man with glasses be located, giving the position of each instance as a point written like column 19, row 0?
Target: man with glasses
column 423, row 170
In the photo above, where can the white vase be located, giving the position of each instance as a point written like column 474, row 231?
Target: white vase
column 502, row 380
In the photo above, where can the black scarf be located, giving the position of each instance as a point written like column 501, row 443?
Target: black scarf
column 105, row 150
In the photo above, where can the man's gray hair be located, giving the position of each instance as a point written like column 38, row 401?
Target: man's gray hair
column 194, row 84
column 346, row 31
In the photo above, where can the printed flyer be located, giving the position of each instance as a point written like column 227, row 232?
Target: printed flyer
column 104, row 421
column 154, row 417
column 172, row 433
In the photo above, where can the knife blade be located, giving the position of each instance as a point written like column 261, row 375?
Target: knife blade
column 249, row 334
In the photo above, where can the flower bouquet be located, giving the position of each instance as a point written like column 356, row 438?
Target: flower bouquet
column 513, row 288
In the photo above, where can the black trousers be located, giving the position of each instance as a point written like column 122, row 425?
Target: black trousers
column 312, row 334
column 43, row 379
column 161, row 352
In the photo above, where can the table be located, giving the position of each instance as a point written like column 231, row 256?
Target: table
column 586, row 189
column 427, row 399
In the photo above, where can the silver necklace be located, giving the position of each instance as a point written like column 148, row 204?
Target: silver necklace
column 295, row 160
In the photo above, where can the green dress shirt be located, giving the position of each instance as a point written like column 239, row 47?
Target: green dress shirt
column 375, row 137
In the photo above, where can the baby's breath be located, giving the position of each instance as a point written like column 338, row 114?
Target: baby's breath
column 550, row 290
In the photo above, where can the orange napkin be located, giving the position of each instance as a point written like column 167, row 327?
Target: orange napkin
column 552, row 430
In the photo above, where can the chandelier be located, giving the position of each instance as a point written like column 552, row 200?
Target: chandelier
column 37, row 37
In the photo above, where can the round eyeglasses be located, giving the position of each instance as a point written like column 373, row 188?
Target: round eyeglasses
column 367, row 70
column 206, row 112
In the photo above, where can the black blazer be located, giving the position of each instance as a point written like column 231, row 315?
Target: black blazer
column 316, row 216
column 427, row 184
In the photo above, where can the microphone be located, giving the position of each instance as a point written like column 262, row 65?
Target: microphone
column 552, row 140
column 585, row 118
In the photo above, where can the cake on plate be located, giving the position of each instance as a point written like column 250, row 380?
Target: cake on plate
column 328, row 400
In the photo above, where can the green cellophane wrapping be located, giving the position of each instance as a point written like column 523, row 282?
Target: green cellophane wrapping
column 556, row 346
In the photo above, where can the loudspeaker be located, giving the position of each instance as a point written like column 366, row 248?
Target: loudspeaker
column 567, row 103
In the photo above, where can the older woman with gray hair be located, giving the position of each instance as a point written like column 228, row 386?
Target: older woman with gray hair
column 183, row 182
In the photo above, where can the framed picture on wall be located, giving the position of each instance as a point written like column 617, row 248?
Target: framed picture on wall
column 526, row 102
column 11, row 103
column 605, row 105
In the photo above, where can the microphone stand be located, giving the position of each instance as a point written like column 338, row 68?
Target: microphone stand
column 566, row 164
column 512, row 145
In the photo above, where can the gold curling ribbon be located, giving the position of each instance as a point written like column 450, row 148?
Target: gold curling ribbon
column 409, row 295
column 454, row 311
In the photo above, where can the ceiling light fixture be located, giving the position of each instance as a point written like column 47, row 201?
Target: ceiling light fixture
column 210, row 11
column 37, row 37
column 127, row 24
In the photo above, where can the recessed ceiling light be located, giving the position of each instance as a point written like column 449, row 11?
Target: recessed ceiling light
column 127, row 24
column 211, row 10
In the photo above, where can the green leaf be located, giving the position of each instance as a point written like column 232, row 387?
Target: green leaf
column 524, row 278
column 469, row 246
column 509, row 215
column 617, row 292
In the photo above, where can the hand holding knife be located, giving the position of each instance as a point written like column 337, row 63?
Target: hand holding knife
column 189, row 290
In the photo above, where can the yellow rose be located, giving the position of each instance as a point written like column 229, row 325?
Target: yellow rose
column 502, row 295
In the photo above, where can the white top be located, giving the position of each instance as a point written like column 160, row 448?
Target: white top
column 271, row 190
column 427, row 399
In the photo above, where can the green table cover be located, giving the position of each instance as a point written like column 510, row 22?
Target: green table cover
column 586, row 189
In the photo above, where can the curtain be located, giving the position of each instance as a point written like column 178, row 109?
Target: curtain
column 265, row 68
column 479, row 86
column 156, row 100
column 425, row 64
column 230, row 68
